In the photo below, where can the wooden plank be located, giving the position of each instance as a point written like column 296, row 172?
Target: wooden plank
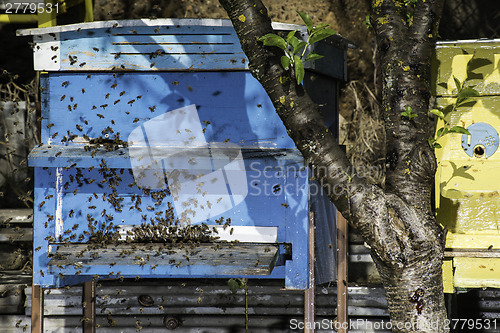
column 22, row 215
column 89, row 307
column 37, row 310
column 234, row 258
column 16, row 234
column 342, row 245
column 472, row 253
column 309, row 302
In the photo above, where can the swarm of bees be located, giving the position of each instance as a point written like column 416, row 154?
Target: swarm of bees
column 100, row 230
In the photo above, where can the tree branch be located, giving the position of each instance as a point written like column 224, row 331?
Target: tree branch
column 363, row 204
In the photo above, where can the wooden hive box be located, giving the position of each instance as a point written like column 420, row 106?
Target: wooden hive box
column 112, row 87
column 467, row 182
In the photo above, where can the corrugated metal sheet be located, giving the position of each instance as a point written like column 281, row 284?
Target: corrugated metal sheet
column 206, row 306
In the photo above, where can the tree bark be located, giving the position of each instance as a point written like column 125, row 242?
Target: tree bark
column 398, row 222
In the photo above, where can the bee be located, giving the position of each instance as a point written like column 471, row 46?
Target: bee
column 41, row 273
column 259, row 105
column 71, row 98
column 152, row 108
column 92, row 207
column 115, row 102
column 53, row 57
column 226, row 141
column 107, row 96
column 50, row 125
column 117, row 55
column 79, row 127
column 115, row 25
column 276, row 188
column 83, row 91
column 104, row 106
column 157, row 29
column 54, row 135
column 75, row 191
column 133, row 31
column 58, row 153
column 112, row 122
column 100, row 115
column 136, row 120
column 83, row 64
column 113, row 85
column 285, row 205
column 131, row 102
column 94, row 107
column 139, row 97
column 69, row 107
column 152, row 65
column 75, row 106
column 79, row 29
column 122, row 93
column 54, row 48
column 63, row 97
column 95, row 49
column 65, row 83
column 38, row 248
column 71, row 212
column 41, row 204
column 49, row 196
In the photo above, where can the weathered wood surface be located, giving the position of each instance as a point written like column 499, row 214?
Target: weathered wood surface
column 222, row 258
column 159, row 45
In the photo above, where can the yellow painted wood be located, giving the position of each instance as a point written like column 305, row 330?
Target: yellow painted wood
column 476, row 61
column 476, row 272
column 476, row 240
column 18, row 18
column 448, row 276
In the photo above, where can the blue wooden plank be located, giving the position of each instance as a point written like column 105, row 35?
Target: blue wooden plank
column 231, row 105
column 43, row 224
column 177, row 48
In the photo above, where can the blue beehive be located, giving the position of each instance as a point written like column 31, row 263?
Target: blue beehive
column 130, row 110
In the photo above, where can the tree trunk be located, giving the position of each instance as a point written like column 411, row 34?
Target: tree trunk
column 396, row 222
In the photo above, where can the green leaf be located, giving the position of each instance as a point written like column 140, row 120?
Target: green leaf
column 319, row 27
column 313, row 56
column 307, row 20
column 299, row 69
column 290, row 35
column 457, row 83
column 465, row 94
column 273, row 40
column 438, row 113
column 300, row 46
column 367, row 22
column 285, row 62
column 436, row 145
column 294, row 41
column 459, row 129
column 233, row 285
column 442, row 131
column 322, row 34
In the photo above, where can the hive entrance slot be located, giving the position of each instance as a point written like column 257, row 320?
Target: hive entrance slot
column 161, row 259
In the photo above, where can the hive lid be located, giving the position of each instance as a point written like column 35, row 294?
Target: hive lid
column 161, row 44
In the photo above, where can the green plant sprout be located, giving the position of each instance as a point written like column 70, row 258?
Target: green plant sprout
column 292, row 46
column 463, row 95
column 408, row 113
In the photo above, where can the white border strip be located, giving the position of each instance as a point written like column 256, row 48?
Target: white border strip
column 145, row 22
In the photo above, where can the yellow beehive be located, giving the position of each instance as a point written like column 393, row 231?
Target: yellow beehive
column 468, row 174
